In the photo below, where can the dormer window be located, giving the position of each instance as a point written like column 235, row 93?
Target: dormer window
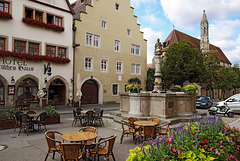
column 116, row 6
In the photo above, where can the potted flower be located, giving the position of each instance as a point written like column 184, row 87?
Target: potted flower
column 134, row 88
column 53, row 116
column 175, row 88
column 7, row 119
column 191, row 89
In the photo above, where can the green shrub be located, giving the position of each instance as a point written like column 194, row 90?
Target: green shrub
column 7, row 114
column 191, row 89
column 50, row 110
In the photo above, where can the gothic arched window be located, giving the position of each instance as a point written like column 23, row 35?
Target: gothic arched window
column 27, row 90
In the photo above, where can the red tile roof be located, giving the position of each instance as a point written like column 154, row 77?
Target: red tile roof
column 149, row 66
column 175, row 36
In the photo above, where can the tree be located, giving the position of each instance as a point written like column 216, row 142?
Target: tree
column 183, row 62
column 212, row 64
column 150, row 79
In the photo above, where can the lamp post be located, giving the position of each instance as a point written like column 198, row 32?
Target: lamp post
column 158, row 74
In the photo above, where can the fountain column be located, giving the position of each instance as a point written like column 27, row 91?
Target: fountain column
column 158, row 74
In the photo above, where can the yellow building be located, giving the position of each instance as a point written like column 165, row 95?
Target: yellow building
column 112, row 49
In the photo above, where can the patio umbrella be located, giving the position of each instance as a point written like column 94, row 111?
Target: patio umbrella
column 79, row 93
column 40, row 93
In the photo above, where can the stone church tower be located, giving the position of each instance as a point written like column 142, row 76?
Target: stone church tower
column 204, row 44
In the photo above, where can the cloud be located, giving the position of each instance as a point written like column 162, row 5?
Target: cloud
column 151, row 18
column 151, row 37
column 188, row 13
column 138, row 3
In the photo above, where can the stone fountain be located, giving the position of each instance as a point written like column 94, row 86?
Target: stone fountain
column 158, row 103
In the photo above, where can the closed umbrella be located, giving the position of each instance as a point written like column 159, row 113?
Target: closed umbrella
column 79, row 93
column 40, row 93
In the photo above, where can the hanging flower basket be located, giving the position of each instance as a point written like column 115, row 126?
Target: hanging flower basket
column 5, row 16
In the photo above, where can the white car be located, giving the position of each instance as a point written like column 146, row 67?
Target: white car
column 233, row 103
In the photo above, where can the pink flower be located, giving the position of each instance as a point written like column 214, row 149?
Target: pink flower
column 211, row 149
column 216, row 152
column 221, row 141
column 179, row 151
column 163, row 159
column 232, row 135
column 174, row 150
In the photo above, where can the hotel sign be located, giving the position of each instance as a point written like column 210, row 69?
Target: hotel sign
column 14, row 64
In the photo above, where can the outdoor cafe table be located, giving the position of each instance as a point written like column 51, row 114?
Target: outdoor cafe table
column 78, row 136
column 145, row 123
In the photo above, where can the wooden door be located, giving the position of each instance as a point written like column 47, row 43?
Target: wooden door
column 89, row 92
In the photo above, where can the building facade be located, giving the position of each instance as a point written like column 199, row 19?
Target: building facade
column 35, row 35
column 112, row 49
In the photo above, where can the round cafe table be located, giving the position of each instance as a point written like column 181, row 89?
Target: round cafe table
column 78, row 136
column 145, row 123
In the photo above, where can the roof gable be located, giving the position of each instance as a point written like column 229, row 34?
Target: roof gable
column 176, row 36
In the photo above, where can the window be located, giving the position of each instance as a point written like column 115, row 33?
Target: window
column 28, row 13
column 135, row 49
column 1, row 92
column 104, row 65
column 88, row 64
column 20, row 46
column 117, row 45
column 33, row 48
column 136, row 69
column 2, row 43
column 51, row 51
column 119, row 67
column 104, row 24
column 115, row 89
column 50, row 18
column 128, row 32
column 27, row 89
column 116, row 6
column 38, row 16
column 62, row 52
column 82, row 1
column 4, row 7
column 58, row 21
column 92, row 40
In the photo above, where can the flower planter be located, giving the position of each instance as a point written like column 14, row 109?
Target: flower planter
column 175, row 90
column 7, row 124
column 52, row 120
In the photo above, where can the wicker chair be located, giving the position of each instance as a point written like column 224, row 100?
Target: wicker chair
column 156, row 119
column 127, row 132
column 164, row 132
column 131, row 121
column 98, row 118
column 89, row 119
column 104, row 147
column 89, row 129
column 17, row 119
column 25, row 122
column 148, row 132
column 72, row 151
column 52, row 143
column 81, row 117
column 41, row 121
column 75, row 118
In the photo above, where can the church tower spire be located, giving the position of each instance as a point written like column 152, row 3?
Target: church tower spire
column 204, row 43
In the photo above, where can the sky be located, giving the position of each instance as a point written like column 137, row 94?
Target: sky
column 158, row 18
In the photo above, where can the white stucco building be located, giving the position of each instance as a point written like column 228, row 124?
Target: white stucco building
column 35, row 35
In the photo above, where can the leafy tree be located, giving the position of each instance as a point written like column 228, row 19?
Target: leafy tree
column 212, row 64
column 183, row 62
column 150, row 79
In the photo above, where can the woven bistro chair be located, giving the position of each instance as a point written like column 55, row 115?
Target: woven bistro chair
column 98, row 118
column 88, row 129
column 25, row 122
column 127, row 131
column 156, row 119
column 17, row 119
column 75, row 118
column 72, row 151
column 89, row 118
column 104, row 147
column 40, row 121
column 52, row 143
column 164, row 132
column 131, row 121
column 148, row 132
column 80, row 115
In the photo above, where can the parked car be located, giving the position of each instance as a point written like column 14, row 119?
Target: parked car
column 203, row 102
column 233, row 103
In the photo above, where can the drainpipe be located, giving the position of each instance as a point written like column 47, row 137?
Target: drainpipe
column 74, row 28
